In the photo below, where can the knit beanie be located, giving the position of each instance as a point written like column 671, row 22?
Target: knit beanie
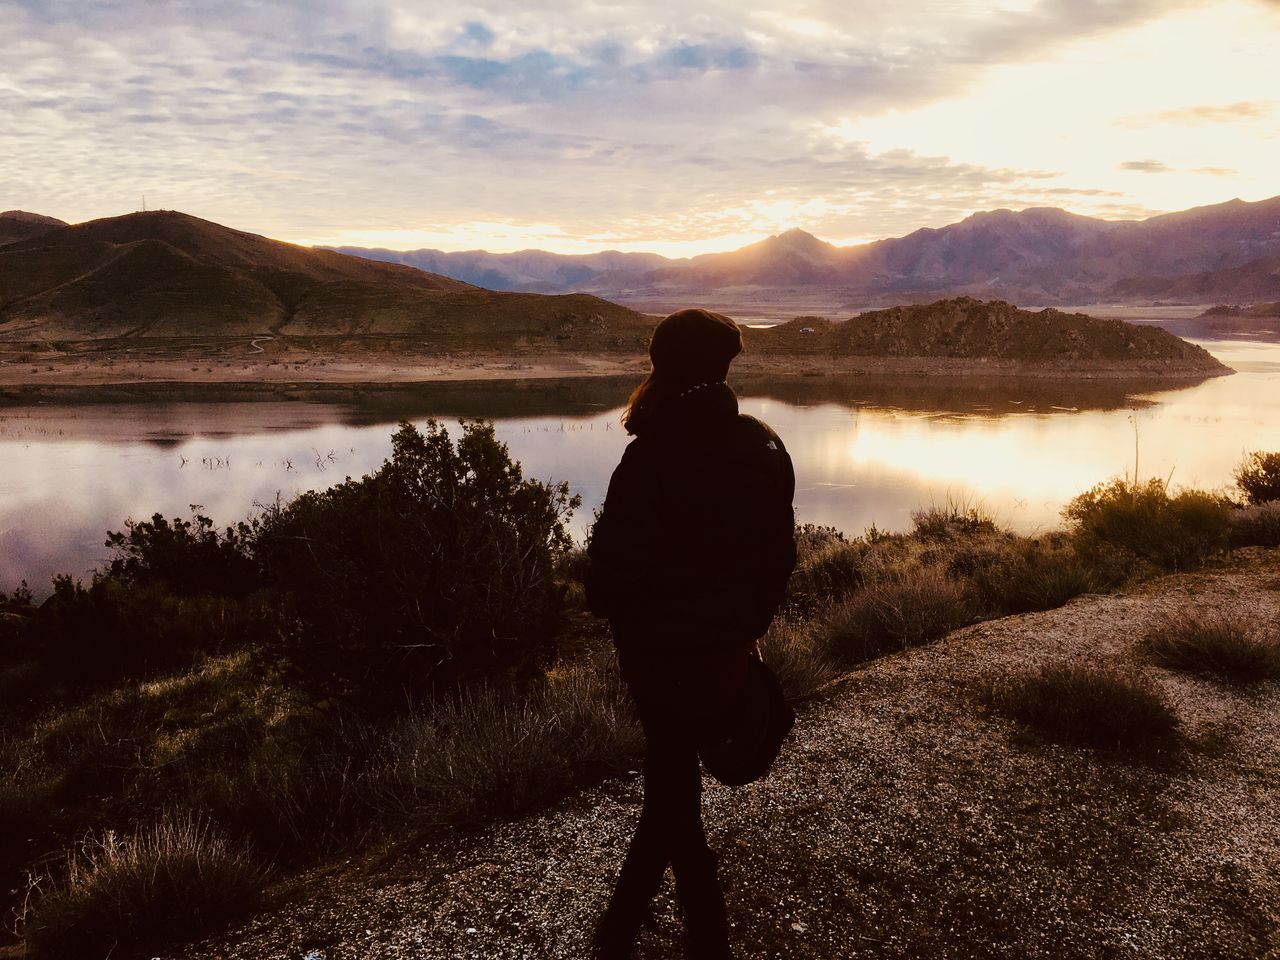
column 694, row 346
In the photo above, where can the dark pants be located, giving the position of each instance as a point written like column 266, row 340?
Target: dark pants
column 677, row 700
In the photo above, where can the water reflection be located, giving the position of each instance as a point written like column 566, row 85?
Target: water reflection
column 865, row 451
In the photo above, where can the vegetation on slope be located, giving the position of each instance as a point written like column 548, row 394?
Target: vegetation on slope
column 316, row 679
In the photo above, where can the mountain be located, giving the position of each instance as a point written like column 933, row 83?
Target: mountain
column 968, row 329
column 1252, row 282
column 19, row 225
column 531, row 271
column 167, row 274
column 1039, row 255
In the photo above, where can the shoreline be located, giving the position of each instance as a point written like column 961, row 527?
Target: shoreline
column 205, row 367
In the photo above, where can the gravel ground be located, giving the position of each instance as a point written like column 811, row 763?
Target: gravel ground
column 901, row 821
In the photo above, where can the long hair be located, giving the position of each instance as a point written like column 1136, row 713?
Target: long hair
column 647, row 401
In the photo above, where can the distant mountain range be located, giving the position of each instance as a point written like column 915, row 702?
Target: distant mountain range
column 1225, row 252
column 164, row 274
column 169, row 278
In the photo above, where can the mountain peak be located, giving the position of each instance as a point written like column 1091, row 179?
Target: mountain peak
column 796, row 237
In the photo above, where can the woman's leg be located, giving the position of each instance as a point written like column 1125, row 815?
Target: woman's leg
column 670, row 829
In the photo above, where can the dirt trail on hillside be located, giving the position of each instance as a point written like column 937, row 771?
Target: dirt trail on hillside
column 901, row 821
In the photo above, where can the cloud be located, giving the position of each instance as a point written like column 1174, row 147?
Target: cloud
column 1196, row 116
column 1146, row 166
column 663, row 117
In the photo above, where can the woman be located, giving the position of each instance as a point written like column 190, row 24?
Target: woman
column 689, row 560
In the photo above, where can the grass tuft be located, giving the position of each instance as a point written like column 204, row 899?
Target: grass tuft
column 485, row 754
column 1228, row 647
column 168, row 883
column 912, row 608
column 1096, row 705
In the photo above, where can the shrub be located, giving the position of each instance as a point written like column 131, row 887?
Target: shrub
column 114, row 629
column 814, row 537
column 438, row 568
column 172, row 881
column 1095, row 705
column 1256, row 526
column 1258, row 477
column 904, row 610
column 1174, row 531
column 955, row 518
column 827, row 574
column 190, row 557
column 1010, row 574
column 1223, row 645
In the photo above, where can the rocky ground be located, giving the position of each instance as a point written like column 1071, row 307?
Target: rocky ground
column 903, row 820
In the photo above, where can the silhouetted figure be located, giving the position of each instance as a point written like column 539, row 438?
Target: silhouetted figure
column 689, row 560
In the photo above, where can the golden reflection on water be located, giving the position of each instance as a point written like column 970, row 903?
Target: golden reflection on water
column 865, row 453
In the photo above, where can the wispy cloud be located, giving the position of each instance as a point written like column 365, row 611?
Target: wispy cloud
column 1146, row 166
column 661, row 118
column 1199, row 115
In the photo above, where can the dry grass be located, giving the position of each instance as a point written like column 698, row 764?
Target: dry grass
column 1229, row 647
column 913, row 607
column 796, row 652
column 170, row 882
column 484, row 754
column 1091, row 704
column 1256, row 526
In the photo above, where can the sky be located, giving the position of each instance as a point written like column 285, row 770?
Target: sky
column 674, row 126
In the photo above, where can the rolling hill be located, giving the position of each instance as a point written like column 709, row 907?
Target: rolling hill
column 968, row 329
column 20, row 225
column 1040, row 255
column 164, row 274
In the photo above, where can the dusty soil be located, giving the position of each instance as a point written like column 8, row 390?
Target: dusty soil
column 901, row 821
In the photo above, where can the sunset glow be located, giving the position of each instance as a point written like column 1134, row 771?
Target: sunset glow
column 674, row 128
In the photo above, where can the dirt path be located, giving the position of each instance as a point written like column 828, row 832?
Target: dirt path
column 900, row 822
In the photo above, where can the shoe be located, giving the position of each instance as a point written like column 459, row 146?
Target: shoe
column 615, row 935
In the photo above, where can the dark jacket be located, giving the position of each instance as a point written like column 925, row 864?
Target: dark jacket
column 696, row 540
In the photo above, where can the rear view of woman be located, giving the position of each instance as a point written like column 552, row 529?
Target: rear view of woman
column 689, row 560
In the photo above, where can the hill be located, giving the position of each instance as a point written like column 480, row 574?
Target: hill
column 1038, row 255
column 20, row 225
column 969, row 329
column 164, row 274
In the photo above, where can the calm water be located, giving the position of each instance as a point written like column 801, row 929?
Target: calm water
column 865, row 451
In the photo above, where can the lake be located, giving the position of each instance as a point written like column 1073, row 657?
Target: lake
column 866, row 451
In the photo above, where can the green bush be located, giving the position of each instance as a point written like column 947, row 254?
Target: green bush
column 1258, row 477
column 1229, row 647
column 1091, row 704
column 170, row 882
column 1175, row 531
column 437, row 569
column 910, row 608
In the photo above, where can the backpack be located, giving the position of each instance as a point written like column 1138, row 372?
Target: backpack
column 741, row 747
